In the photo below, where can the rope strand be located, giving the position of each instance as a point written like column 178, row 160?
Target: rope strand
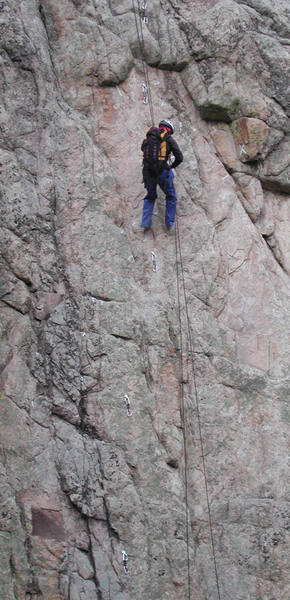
column 142, row 52
column 183, row 423
column 146, row 68
column 198, row 412
column 183, row 420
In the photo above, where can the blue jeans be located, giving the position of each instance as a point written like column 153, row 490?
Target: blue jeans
column 165, row 181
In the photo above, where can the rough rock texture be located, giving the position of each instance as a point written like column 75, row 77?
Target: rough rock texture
column 85, row 320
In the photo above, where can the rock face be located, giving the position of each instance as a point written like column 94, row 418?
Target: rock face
column 194, row 485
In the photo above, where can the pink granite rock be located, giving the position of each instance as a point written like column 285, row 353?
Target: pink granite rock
column 86, row 322
column 250, row 136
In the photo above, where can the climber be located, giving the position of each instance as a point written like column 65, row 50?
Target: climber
column 156, row 148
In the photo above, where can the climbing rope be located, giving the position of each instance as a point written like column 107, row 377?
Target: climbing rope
column 183, row 422
column 178, row 251
column 139, row 29
column 148, row 96
column 145, row 66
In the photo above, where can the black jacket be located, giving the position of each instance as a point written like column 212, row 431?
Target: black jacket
column 171, row 147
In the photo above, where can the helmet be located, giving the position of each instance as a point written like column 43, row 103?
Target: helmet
column 167, row 123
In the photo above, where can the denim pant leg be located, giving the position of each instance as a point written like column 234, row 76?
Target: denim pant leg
column 165, row 181
column 148, row 205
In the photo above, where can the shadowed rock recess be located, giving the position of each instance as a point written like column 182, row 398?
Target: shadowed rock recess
column 85, row 319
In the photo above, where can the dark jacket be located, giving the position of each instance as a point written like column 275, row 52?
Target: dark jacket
column 171, row 147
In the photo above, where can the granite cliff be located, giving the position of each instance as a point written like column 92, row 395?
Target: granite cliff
column 85, row 320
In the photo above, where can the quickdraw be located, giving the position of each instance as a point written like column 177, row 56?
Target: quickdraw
column 128, row 405
column 145, row 93
column 243, row 150
column 154, row 261
column 125, row 561
column 143, row 9
column 140, row 12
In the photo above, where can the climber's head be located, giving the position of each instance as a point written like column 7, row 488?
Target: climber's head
column 166, row 124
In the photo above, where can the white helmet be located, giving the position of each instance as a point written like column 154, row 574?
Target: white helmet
column 167, row 123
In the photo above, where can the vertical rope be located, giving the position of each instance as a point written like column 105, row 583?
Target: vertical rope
column 183, row 422
column 146, row 67
column 178, row 250
column 198, row 412
column 142, row 52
